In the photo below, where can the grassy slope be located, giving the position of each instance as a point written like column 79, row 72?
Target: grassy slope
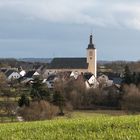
column 82, row 126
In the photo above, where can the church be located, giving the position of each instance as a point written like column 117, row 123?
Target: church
column 79, row 65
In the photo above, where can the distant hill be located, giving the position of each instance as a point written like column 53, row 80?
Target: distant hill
column 32, row 60
column 101, row 62
column 19, row 63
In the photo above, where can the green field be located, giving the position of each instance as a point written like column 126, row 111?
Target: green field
column 79, row 126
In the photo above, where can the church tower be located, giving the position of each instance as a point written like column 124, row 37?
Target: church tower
column 91, row 57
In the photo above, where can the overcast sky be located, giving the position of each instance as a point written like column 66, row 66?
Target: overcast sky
column 61, row 28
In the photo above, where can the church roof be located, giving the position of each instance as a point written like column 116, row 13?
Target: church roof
column 68, row 63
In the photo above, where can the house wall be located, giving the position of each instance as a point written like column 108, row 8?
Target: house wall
column 14, row 75
column 50, row 71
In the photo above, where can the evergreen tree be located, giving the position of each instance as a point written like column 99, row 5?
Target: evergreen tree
column 134, row 78
column 127, row 76
column 138, row 79
column 59, row 100
column 23, row 101
column 39, row 91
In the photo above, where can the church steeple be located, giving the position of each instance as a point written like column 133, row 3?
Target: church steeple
column 92, row 57
column 91, row 45
column 91, row 39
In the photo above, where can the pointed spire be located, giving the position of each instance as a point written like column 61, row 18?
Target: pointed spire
column 91, row 45
column 90, row 39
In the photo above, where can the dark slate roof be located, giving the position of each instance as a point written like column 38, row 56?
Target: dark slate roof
column 87, row 76
column 9, row 72
column 113, row 76
column 91, row 46
column 29, row 74
column 68, row 63
column 3, row 70
column 51, row 77
column 117, row 80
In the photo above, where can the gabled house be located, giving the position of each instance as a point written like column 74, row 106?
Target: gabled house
column 12, row 74
column 74, row 74
column 116, row 78
column 50, row 81
column 104, row 81
column 31, row 74
column 90, row 81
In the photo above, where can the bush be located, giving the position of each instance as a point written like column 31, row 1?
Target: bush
column 89, row 99
column 131, row 98
column 38, row 111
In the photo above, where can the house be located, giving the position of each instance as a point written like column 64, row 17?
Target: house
column 116, row 78
column 90, row 80
column 22, row 73
column 104, row 80
column 103, row 69
column 12, row 74
column 74, row 74
column 51, row 80
column 75, row 65
column 31, row 74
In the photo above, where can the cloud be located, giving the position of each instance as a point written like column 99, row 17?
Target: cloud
column 92, row 12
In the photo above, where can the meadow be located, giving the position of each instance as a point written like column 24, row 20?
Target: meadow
column 78, row 126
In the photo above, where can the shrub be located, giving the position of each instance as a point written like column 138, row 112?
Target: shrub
column 38, row 111
column 131, row 98
column 89, row 99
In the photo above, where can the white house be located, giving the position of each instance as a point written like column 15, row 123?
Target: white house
column 12, row 74
column 22, row 73
column 92, row 82
column 74, row 74
column 104, row 80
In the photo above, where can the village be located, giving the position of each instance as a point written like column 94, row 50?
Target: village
column 38, row 91
column 68, row 68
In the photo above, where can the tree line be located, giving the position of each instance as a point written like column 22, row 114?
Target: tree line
column 34, row 101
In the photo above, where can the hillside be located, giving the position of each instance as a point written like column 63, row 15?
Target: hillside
column 33, row 60
column 80, row 127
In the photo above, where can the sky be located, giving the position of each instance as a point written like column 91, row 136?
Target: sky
column 61, row 28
